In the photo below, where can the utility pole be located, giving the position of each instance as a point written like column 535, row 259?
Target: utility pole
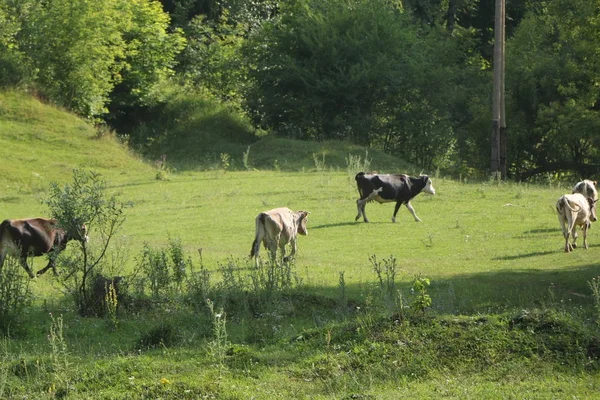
column 499, row 138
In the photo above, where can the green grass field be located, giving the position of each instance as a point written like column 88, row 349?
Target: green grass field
column 492, row 251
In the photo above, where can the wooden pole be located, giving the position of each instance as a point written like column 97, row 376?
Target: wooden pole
column 498, row 94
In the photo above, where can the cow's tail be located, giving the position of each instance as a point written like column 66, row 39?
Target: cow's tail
column 260, row 234
column 564, row 202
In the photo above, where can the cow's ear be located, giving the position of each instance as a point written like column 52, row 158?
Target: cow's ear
column 595, row 183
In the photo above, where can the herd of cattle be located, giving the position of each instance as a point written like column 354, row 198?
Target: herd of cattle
column 279, row 227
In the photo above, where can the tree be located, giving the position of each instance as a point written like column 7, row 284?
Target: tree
column 78, row 51
column 84, row 202
column 553, row 66
column 354, row 70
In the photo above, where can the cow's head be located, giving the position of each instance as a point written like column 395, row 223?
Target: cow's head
column 81, row 234
column 592, row 203
column 303, row 216
column 428, row 185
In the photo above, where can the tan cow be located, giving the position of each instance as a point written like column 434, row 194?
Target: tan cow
column 276, row 228
column 575, row 210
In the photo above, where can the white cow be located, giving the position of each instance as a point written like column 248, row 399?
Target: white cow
column 587, row 188
column 276, row 228
column 575, row 209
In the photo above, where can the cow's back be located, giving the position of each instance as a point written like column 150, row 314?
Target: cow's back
column 280, row 221
column 34, row 236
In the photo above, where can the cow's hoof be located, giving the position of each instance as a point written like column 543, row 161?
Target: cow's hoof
column 356, row 219
column 574, row 246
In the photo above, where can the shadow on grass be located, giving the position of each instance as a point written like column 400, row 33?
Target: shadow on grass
column 527, row 255
column 499, row 291
column 349, row 223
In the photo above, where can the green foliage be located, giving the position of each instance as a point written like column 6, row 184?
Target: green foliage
column 81, row 207
column 553, row 94
column 78, row 52
column 422, row 300
column 192, row 130
column 164, row 270
column 15, row 297
column 358, row 71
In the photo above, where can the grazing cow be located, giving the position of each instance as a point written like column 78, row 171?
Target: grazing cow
column 587, row 188
column 575, row 210
column 276, row 228
column 389, row 188
column 34, row 237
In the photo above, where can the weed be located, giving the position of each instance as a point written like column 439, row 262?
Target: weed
column 162, row 173
column 225, row 161
column 422, row 300
column 356, row 164
column 111, row 302
column 319, row 163
column 342, row 299
column 245, row 157
column 217, row 347
column 59, row 355
column 594, row 285
column 199, row 287
column 386, row 277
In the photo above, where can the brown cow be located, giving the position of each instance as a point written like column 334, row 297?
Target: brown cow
column 34, row 237
column 276, row 228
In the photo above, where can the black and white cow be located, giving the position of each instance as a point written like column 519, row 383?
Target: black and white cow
column 587, row 188
column 389, row 188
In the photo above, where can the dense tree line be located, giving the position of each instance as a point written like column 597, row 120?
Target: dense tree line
column 412, row 77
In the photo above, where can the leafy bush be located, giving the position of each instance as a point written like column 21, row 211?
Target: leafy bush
column 79, row 206
column 15, row 297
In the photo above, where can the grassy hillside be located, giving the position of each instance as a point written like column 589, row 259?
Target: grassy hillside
column 40, row 144
column 511, row 315
column 196, row 132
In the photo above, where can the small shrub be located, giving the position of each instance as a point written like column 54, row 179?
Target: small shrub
column 422, row 300
column 15, row 296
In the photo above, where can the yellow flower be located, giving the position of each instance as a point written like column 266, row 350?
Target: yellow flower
column 165, row 381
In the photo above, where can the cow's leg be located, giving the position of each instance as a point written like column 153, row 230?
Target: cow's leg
column 398, row 204
column 412, row 211
column 51, row 263
column 585, row 229
column 273, row 243
column 293, row 252
column 23, row 260
column 570, row 231
column 360, row 204
column 574, row 235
